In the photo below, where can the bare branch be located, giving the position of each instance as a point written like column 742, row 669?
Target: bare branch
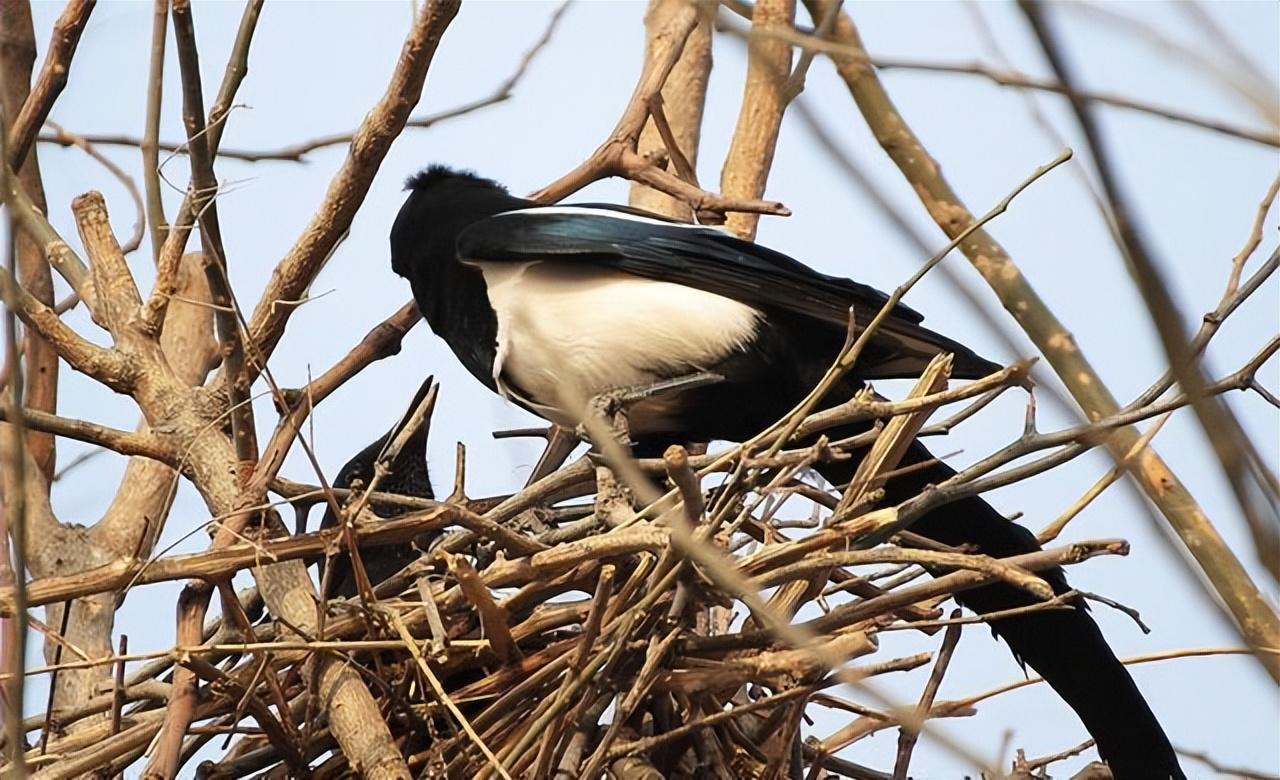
column 49, row 84
column 683, row 99
column 139, row 223
column 150, row 141
column 1232, row 445
column 618, row 155
column 838, row 49
column 1251, row 611
column 295, row 272
column 764, row 99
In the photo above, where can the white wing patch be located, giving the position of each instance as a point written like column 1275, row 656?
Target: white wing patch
column 566, row 331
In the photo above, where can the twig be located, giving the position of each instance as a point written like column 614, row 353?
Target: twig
column 299, row 152
column 384, row 123
column 854, row 346
column 139, row 223
column 1130, row 611
column 1208, row 760
column 1193, row 652
column 150, row 141
column 169, row 260
column 77, row 462
column 1011, row 78
column 858, row 408
column 647, row 744
column 1255, row 238
column 1260, row 96
column 1041, row 763
column 1113, row 475
column 711, row 562
column 380, row 342
column 117, row 687
column 907, row 736
column 443, row 696
column 923, row 246
column 839, row 49
column 795, row 82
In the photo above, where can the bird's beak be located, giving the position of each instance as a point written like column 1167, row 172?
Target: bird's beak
column 416, row 422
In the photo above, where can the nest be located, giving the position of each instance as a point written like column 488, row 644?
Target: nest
column 675, row 625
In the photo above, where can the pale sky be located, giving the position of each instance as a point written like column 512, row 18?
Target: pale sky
column 317, row 67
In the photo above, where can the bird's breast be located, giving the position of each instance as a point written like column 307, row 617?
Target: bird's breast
column 568, row 332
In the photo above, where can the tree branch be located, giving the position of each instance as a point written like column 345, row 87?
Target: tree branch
column 618, row 155
column 49, row 84
column 295, row 272
column 764, row 99
column 1231, row 444
column 1253, row 615
column 683, row 97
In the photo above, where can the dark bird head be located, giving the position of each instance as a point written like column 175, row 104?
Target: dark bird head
column 442, row 201
column 406, row 475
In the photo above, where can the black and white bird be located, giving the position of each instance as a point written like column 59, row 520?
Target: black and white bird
column 549, row 305
column 406, row 475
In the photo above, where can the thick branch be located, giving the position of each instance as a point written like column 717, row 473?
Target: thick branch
column 684, row 98
column 29, row 216
column 39, row 359
column 764, row 99
column 107, row 366
column 118, row 298
column 137, row 514
column 124, row 442
column 49, row 84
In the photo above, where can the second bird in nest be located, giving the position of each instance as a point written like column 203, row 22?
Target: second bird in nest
column 406, row 475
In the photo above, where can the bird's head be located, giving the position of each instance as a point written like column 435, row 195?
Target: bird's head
column 407, row 473
column 441, row 202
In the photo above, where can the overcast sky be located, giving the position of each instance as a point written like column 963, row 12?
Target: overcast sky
column 316, row 68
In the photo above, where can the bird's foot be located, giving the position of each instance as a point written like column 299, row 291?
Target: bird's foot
column 612, row 401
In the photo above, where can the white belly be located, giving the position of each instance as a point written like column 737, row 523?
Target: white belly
column 568, row 332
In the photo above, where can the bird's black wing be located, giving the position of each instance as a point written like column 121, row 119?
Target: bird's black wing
column 715, row 261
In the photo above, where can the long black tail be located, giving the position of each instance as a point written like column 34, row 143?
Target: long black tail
column 1064, row 646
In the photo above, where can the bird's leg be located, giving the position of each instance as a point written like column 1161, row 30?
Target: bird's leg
column 628, row 395
column 611, row 405
column 614, row 504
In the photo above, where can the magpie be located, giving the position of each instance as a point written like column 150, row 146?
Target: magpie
column 550, row 305
column 406, row 475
